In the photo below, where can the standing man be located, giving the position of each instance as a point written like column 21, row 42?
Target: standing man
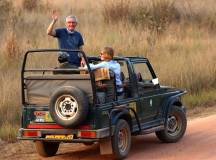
column 68, row 38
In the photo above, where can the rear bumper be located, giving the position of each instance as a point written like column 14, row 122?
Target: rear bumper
column 99, row 134
column 80, row 140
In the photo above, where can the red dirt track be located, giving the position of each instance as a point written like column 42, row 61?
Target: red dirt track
column 199, row 143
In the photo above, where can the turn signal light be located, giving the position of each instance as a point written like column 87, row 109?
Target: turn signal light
column 31, row 133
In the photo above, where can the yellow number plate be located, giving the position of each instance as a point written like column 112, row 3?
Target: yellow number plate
column 59, row 137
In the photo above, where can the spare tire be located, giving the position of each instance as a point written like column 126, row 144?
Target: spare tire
column 68, row 106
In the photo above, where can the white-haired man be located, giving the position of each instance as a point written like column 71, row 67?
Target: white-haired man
column 68, row 38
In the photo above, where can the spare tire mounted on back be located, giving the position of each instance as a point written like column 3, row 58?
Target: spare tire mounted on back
column 68, row 106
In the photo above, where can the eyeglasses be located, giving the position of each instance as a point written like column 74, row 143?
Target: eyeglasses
column 72, row 22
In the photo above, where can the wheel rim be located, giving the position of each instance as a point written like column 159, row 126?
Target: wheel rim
column 123, row 139
column 174, row 125
column 66, row 107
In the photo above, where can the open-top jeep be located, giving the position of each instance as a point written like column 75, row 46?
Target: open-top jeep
column 79, row 105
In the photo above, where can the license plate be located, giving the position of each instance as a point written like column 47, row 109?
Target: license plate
column 59, row 137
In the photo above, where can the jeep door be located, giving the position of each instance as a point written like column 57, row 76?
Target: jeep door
column 148, row 91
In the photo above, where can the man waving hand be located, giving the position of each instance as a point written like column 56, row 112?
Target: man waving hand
column 68, row 38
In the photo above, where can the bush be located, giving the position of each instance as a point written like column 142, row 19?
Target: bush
column 30, row 5
column 5, row 10
column 115, row 11
column 156, row 16
column 35, row 5
column 202, row 19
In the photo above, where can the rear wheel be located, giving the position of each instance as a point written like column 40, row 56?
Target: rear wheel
column 121, row 140
column 175, row 126
column 46, row 149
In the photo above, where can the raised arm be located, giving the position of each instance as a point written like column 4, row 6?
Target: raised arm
column 50, row 30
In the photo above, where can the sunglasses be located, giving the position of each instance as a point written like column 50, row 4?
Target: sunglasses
column 102, row 53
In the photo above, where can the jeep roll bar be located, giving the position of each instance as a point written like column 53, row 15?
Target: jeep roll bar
column 23, row 70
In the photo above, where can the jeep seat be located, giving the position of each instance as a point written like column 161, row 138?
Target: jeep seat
column 105, row 83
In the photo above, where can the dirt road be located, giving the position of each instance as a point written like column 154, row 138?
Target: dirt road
column 199, row 143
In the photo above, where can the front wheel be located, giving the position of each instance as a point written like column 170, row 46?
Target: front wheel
column 121, row 140
column 175, row 126
column 46, row 149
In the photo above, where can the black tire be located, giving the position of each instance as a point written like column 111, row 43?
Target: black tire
column 175, row 126
column 46, row 149
column 68, row 106
column 121, row 139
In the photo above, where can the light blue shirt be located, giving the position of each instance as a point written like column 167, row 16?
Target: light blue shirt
column 113, row 66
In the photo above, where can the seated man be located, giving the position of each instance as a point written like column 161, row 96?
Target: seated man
column 106, row 56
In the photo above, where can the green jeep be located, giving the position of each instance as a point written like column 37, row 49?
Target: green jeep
column 61, row 104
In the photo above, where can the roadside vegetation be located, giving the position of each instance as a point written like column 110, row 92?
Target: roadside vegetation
column 177, row 36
